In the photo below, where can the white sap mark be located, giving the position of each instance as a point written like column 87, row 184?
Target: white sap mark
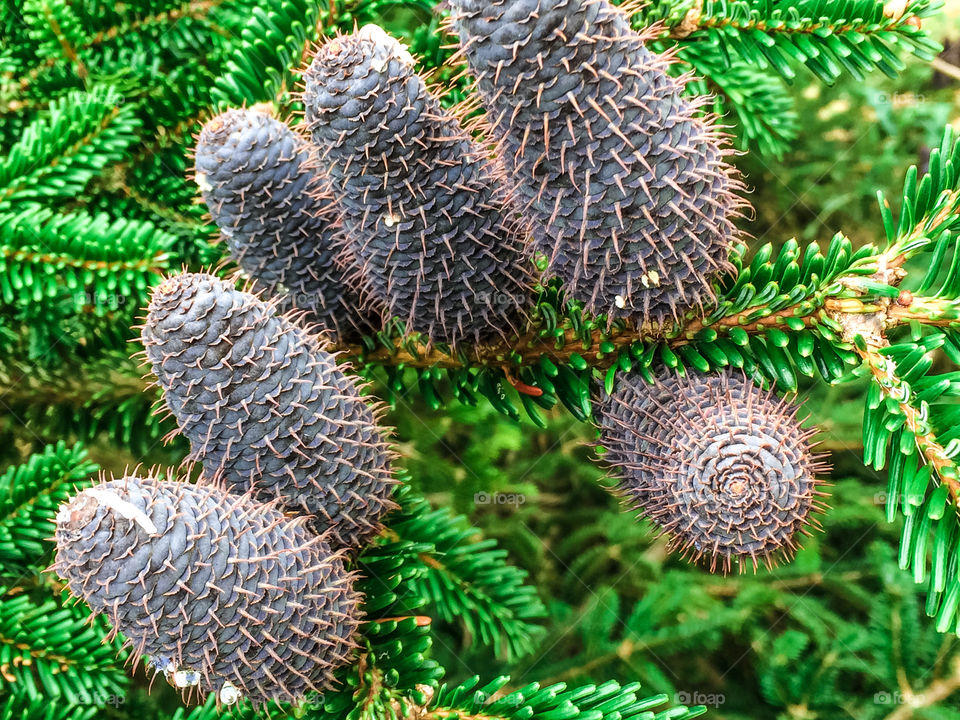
column 229, row 693
column 186, row 678
column 620, row 302
column 650, row 279
column 378, row 35
column 160, row 663
column 124, row 508
column 202, row 183
column 390, row 220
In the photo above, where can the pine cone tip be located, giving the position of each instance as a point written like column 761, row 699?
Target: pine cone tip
column 724, row 468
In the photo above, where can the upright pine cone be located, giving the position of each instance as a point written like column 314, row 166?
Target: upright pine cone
column 278, row 221
column 221, row 592
column 724, row 467
column 264, row 407
column 425, row 211
column 627, row 189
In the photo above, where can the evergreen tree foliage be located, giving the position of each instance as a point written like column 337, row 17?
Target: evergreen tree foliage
column 508, row 585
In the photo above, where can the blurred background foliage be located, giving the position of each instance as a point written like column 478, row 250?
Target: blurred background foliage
column 838, row 633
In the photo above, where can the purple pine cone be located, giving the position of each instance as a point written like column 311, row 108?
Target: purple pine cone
column 265, row 408
column 625, row 184
column 224, row 594
column 279, row 222
column 425, row 210
column 722, row 466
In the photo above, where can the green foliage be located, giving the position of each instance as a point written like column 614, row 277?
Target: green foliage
column 539, row 576
column 609, row 700
column 910, row 415
column 64, row 148
column 854, row 36
column 261, row 66
column 468, row 581
column 29, row 497
column 54, row 652
column 764, row 110
column 746, row 50
column 17, row 707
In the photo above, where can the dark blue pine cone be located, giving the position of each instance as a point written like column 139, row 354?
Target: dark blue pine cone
column 724, row 467
column 264, row 407
column 225, row 595
column 278, row 221
column 626, row 186
column 425, row 210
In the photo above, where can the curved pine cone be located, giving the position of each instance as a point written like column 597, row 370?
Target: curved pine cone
column 279, row 224
column 225, row 595
column 265, row 408
column 425, row 211
column 719, row 464
column 627, row 187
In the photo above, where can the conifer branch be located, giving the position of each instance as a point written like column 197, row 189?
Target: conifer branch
column 68, row 50
column 894, row 389
column 855, row 37
column 191, row 9
column 604, row 346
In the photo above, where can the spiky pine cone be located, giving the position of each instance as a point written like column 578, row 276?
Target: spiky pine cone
column 224, row 594
column 264, row 407
column 722, row 466
column 279, row 223
column 627, row 188
column 426, row 212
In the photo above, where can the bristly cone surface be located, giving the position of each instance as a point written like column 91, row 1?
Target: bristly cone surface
column 224, row 594
column 266, row 408
column 724, row 467
column 626, row 185
column 281, row 228
column 426, row 212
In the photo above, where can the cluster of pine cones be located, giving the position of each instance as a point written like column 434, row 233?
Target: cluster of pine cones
column 238, row 585
column 391, row 210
